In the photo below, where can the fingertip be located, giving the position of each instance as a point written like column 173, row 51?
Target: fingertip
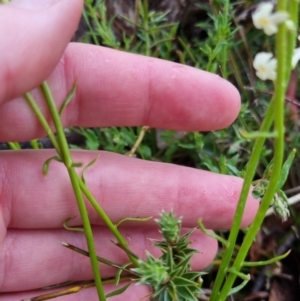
column 224, row 102
column 195, row 99
column 231, row 103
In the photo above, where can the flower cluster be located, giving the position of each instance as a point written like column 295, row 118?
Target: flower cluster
column 170, row 275
column 264, row 18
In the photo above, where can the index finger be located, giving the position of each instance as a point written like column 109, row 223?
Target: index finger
column 122, row 89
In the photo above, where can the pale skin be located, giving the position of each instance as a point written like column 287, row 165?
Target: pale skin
column 114, row 89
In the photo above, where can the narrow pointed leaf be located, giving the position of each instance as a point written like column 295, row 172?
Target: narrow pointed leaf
column 85, row 253
column 170, row 258
column 118, row 291
column 68, row 98
column 78, row 229
column 182, row 267
column 254, row 135
column 118, row 275
column 211, row 234
column 193, row 275
column 285, row 169
column 47, row 163
column 266, row 262
column 237, row 288
column 186, row 294
column 77, row 164
column 88, row 166
column 181, row 281
column 135, row 219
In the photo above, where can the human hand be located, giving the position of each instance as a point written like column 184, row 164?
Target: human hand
column 114, row 89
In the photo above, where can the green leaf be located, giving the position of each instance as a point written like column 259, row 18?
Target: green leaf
column 169, row 258
column 92, row 140
column 182, row 267
column 135, row 219
column 211, row 234
column 239, row 274
column 87, row 166
column 35, row 144
column 118, row 274
column 47, row 163
column 285, row 169
column 193, row 275
column 118, row 291
column 181, row 281
column 78, row 229
column 14, row 145
column 186, row 294
column 237, row 288
column 145, row 151
column 77, row 164
column 68, row 98
column 165, row 296
column 254, row 135
column 222, row 164
column 233, row 170
column 266, row 262
column 268, row 170
column 186, row 235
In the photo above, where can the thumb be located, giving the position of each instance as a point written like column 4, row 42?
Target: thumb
column 33, row 37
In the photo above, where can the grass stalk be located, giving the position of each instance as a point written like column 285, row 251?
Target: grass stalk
column 83, row 187
column 250, row 172
column 66, row 157
column 276, row 109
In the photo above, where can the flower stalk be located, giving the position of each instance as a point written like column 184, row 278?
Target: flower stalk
column 66, row 157
column 275, row 112
column 83, row 187
column 79, row 187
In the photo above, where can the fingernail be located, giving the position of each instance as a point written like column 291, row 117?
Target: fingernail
column 32, row 4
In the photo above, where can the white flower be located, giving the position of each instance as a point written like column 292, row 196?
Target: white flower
column 265, row 65
column 296, row 57
column 263, row 18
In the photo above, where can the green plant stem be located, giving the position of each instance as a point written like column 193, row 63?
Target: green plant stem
column 293, row 9
column 91, row 30
column 107, row 221
column 146, row 26
column 36, row 110
column 224, row 52
column 278, row 105
column 83, row 187
column 250, row 171
column 66, row 157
